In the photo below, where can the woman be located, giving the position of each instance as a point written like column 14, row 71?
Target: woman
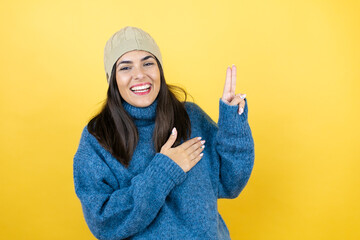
column 142, row 170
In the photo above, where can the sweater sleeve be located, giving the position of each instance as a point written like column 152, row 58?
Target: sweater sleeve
column 235, row 148
column 117, row 212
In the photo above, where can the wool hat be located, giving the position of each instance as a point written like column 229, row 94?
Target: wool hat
column 126, row 40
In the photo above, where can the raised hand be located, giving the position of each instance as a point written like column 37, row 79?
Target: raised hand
column 185, row 155
column 229, row 96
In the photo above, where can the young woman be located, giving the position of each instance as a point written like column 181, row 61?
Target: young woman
column 142, row 170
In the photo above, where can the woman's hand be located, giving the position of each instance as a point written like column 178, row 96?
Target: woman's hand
column 229, row 96
column 185, row 155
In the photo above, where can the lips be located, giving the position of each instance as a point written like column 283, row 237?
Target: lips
column 141, row 89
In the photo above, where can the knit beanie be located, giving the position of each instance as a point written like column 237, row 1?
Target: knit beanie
column 126, row 40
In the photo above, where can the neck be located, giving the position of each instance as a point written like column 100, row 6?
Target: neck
column 141, row 115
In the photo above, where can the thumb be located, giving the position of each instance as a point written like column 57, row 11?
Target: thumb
column 171, row 139
column 237, row 99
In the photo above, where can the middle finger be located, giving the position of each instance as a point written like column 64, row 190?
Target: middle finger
column 195, row 147
column 233, row 79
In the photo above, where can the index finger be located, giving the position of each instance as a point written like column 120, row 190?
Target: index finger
column 227, row 87
column 190, row 142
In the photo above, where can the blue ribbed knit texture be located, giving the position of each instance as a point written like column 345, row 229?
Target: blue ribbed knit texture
column 154, row 198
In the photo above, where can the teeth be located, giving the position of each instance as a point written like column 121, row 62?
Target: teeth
column 141, row 91
column 139, row 88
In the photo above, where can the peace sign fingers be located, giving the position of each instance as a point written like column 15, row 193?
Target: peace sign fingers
column 230, row 84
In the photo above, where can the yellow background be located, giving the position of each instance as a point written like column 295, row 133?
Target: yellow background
column 298, row 62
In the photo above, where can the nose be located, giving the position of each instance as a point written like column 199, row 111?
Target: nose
column 138, row 73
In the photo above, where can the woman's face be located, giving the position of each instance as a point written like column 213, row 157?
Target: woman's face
column 138, row 78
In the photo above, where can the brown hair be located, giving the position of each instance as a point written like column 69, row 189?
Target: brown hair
column 115, row 130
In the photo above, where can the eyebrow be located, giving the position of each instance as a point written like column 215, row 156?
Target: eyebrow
column 143, row 59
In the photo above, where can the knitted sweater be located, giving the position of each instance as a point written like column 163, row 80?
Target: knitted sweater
column 154, row 198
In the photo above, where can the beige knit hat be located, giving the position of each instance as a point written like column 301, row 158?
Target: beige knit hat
column 125, row 40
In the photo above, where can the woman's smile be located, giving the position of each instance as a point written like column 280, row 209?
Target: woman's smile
column 141, row 89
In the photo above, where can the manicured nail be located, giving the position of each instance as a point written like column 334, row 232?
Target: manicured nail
column 241, row 111
column 203, row 146
column 201, row 154
column 199, row 138
column 173, row 131
column 202, row 142
column 242, row 96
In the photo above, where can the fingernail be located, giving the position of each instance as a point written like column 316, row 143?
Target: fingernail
column 242, row 96
column 241, row 111
column 203, row 146
column 173, row 131
column 199, row 138
column 202, row 142
column 201, row 154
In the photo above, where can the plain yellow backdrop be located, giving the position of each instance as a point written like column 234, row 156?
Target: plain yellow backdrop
column 298, row 62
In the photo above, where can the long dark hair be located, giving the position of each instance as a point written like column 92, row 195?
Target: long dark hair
column 116, row 131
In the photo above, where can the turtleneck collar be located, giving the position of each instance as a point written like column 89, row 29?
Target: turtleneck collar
column 141, row 115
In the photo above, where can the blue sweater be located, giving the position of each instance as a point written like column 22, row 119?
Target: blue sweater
column 154, row 198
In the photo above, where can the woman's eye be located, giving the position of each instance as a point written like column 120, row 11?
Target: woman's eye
column 148, row 64
column 124, row 68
